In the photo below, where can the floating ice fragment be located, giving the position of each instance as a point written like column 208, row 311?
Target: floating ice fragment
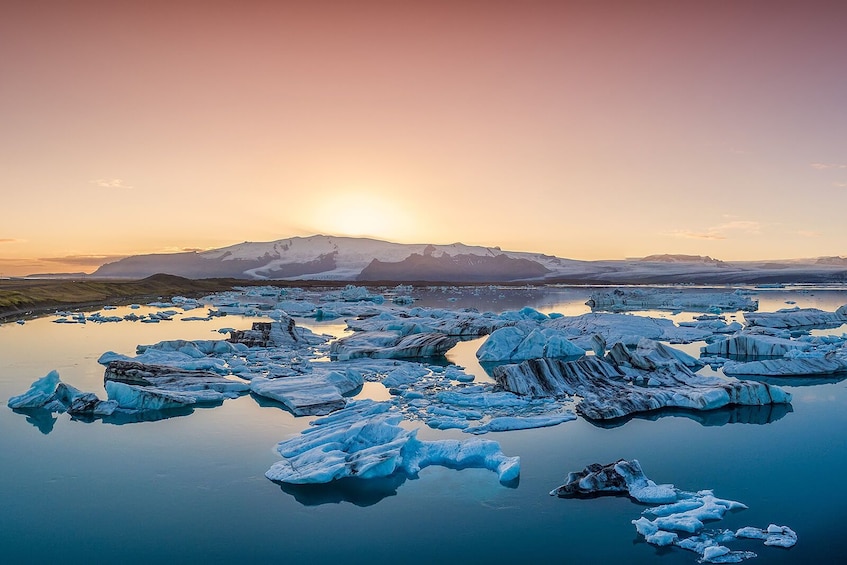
column 364, row 440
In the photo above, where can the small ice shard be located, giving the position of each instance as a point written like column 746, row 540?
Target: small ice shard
column 365, row 440
column 779, row 536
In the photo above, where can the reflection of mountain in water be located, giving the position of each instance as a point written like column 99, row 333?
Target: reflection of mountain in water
column 730, row 415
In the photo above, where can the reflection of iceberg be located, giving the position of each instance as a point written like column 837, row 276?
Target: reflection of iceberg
column 361, row 492
column 796, row 381
column 41, row 418
column 120, row 418
column 760, row 415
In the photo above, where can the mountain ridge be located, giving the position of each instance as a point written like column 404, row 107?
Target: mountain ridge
column 339, row 258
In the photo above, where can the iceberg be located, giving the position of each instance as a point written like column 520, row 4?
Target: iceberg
column 210, row 386
column 517, row 343
column 811, row 366
column 628, row 329
column 391, row 345
column 365, row 440
column 749, row 345
column 789, row 318
column 622, row 299
column 41, row 394
column 680, row 512
column 620, row 477
column 134, row 398
column 50, row 394
column 608, row 390
column 315, row 393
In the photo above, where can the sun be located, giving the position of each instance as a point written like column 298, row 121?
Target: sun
column 361, row 214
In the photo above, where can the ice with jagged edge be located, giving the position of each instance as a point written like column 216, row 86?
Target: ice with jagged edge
column 680, row 512
column 365, row 440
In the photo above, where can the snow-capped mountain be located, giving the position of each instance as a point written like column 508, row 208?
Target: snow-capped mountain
column 331, row 258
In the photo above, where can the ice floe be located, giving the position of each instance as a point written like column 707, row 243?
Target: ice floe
column 391, row 345
column 50, row 394
column 517, row 343
column 365, row 440
column 630, row 383
column 315, row 393
column 679, row 513
column 797, row 317
column 622, row 299
column 624, row 328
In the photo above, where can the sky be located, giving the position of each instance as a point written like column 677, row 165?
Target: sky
column 587, row 130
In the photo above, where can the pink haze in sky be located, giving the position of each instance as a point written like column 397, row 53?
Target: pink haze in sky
column 586, row 130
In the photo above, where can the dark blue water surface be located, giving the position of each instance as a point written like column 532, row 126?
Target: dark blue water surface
column 192, row 488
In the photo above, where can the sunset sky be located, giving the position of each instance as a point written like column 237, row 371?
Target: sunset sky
column 588, row 130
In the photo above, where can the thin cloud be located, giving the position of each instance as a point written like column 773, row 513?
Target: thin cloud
column 83, row 260
column 696, row 235
column 7, row 240
column 840, row 184
column 111, row 183
column 824, row 166
column 809, row 233
column 721, row 231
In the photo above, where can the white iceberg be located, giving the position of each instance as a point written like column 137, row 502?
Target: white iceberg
column 517, row 343
column 365, row 440
column 621, row 299
column 315, row 393
column 797, row 317
column 607, row 392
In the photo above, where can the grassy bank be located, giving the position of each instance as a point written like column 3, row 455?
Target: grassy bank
column 25, row 298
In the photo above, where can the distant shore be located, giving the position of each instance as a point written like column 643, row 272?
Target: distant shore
column 29, row 298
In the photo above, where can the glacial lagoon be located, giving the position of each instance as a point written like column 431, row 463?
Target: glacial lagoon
column 191, row 487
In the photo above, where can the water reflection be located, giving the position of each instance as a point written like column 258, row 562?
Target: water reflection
column 759, row 415
column 796, row 380
column 42, row 419
column 360, row 492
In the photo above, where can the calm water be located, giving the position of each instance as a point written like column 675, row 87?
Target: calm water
column 191, row 489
